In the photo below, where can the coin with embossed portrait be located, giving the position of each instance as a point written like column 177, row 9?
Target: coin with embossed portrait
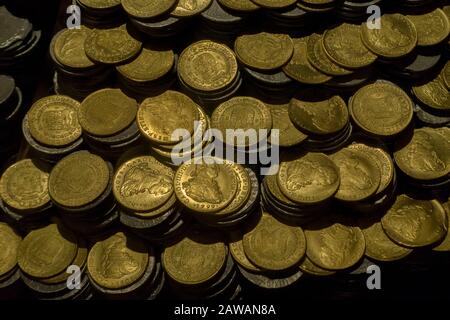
column 283, row 129
column 190, row 8
column 68, row 47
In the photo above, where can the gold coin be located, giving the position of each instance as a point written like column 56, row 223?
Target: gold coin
column 317, row 56
column 425, row 157
column 310, row 179
column 334, row 243
column 444, row 132
column 360, row 175
column 46, row 252
column 170, row 204
column 239, row 5
column 264, row 51
column 272, row 184
column 78, row 179
column 237, row 252
column 68, row 47
column 53, row 120
column 382, row 109
column 118, row 261
column 100, row 4
column 207, row 66
column 273, row 245
column 299, row 67
column 189, row 8
column 244, row 114
column 446, row 75
column 146, row 9
column 9, row 246
column 415, row 223
column 159, row 117
column 309, row 267
column 107, row 112
column 24, row 185
column 283, row 129
column 432, row 28
column 206, row 185
column 378, row 245
column 396, row 38
column 195, row 259
column 344, row 47
column 143, row 184
column 434, row 94
column 444, row 246
column 274, row 4
column 320, row 117
column 111, row 46
column 151, row 64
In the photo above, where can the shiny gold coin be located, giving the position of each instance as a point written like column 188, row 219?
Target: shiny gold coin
column 432, row 28
column 274, row 4
column 317, row 56
column 118, row 261
column 415, row 223
column 273, row 245
column 46, row 252
column 68, row 48
column 100, row 4
column 151, row 64
column 146, row 9
column 299, row 67
column 382, row 109
column 190, row 8
column 425, row 157
column 242, row 113
column 9, row 245
column 446, row 75
column 444, row 246
column 272, row 184
column 159, row 117
column 24, row 185
column 207, row 66
column 239, row 5
column 170, row 204
column 434, row 94
column 194, row 260
column 309, row 267
column 111, row 46
column 396, row 38
column 78, row 179
column 283, row 132
column 334, row 243
column 360, row 175
column 444, row 132
column 206, row 185
column 264, row 51
column 237, row 252
column 143, row 184
column 320, row 117
column 107, row 112
column 344, row 47
column 310, row 179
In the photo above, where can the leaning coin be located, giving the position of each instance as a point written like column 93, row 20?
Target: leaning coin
column 189, row 8
column 434, row 94
column 432, row 28
column 9, row 245
column 284, row 133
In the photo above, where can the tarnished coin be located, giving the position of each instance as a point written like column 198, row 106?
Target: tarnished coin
column 434, row 94
column 274, row 4
column 239, row 5
column 273, row 245
column 264, row 51
column 334, row 243
column 432, row 28
column 446, row 75
column 415, row 223
column 159, row 117
column 444, row 246
column 196, row 259
column 360, row 175
column 12, row 29
column 9, row 246
column 68, row 47
column 344, row 47
column 283, row 132
column 118, row 261
column 237, row 252
column 207, row 66
column 107, row 112
column 310, row 179
column 309, row 267
column 100, row 4
column 143, row 184
column 382, row 109
column 24, row 185
column 206, row 185
column 46, row 252
column 300, row 69
column 53, row 120
column 111, row 46
column 396, row 38
column 189, row 8
column 426, row 156
column 320, row 117
column 146, row 9
column 78, row 179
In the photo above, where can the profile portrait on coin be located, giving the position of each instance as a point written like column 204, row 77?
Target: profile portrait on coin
column 210, row 65
column 143, row 179
column 309, row 175
column 422, row 155
column 202, row 185
column 337, row 244
column 357, row 177
column 116, row 261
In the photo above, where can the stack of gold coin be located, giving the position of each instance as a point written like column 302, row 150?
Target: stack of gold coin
column 10, row 286
column 352, row 11
column 46, row 255
column 100, row 12
column 51, row 127
column 123, row 266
